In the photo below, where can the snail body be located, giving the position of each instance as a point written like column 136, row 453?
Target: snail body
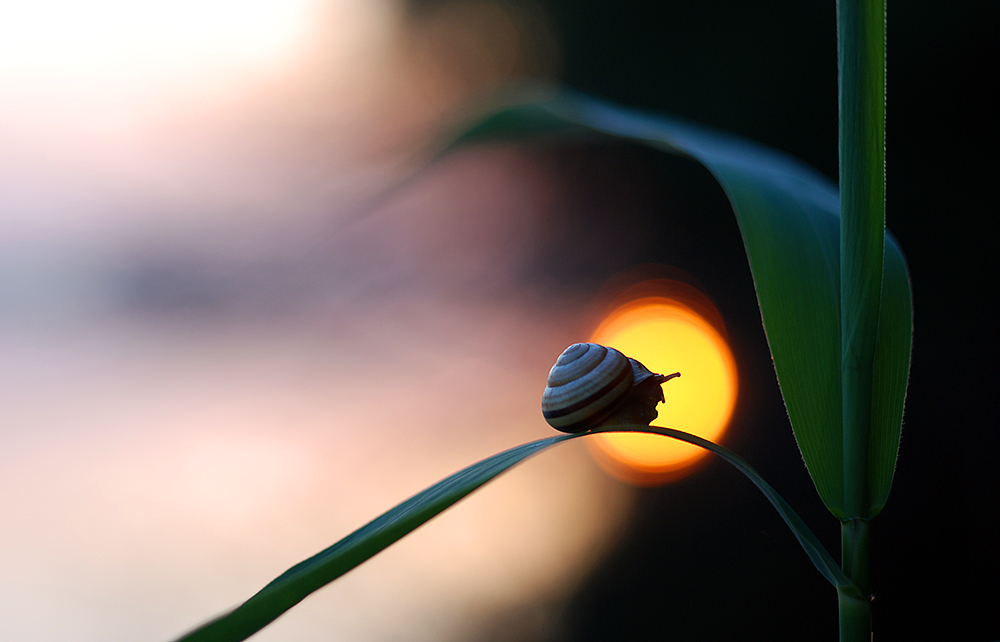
column 591, row 384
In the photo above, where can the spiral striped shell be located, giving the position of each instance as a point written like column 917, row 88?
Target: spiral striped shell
column 586, row 384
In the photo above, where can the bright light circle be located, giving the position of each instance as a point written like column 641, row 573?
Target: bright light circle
column 668, row 336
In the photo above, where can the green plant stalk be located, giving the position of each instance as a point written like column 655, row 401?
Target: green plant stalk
column 855, row 607
column 855, row 617
column 861, row 80
column 862, row 228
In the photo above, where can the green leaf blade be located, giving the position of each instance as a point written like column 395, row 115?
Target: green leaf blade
column 292, row 586
column 789, row 217
column 791, row 247
column 295, row 584
column 890, row 375
column 815, row 550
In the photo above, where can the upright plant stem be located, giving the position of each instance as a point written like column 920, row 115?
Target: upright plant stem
column 861, row 77
column 855, row 610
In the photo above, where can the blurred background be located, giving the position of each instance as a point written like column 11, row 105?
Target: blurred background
column 240, row 316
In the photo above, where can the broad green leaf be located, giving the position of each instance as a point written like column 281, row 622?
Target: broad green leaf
column 788, row 215
column 295, row 584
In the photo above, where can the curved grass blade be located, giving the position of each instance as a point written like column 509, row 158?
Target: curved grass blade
column 817, row 553
column 292, row 586
column 788, row 215
column 295, row 584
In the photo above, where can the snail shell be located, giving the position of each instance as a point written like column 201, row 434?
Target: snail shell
column 590, row 382
column 585, row 385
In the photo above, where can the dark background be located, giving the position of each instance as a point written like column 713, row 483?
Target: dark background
column 706, row 558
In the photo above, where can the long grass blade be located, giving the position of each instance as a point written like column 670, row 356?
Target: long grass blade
column 815, row 550
column 295, row 584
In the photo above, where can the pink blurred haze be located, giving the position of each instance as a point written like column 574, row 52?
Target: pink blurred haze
column 218, row 356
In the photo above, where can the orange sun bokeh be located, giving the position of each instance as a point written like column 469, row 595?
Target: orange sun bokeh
column 667, row 334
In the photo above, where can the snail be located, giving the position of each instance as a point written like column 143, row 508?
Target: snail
column 591, row 385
